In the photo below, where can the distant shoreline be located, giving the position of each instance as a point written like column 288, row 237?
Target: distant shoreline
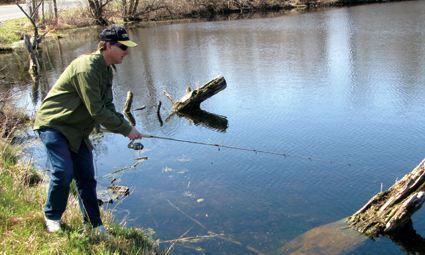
column 11, row 31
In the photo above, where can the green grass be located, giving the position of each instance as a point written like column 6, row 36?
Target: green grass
column 22, row 230
column 10, row 31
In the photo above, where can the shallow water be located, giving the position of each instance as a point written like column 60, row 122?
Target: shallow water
column 344, row 87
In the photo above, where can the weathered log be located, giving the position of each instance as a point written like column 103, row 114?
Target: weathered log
column 113, row 193
column 392, row 209
column 193, row 98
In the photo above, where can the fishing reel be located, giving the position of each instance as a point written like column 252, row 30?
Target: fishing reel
column 135, row 146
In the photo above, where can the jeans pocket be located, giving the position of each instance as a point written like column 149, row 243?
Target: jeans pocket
column 50, row 136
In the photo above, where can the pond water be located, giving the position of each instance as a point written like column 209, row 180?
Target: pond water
column 340, row 91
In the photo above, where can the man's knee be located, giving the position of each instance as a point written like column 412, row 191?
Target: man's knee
column 61, row 177
column 86, row 184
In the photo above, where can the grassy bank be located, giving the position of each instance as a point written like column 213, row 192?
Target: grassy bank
column 22, row 195
column 8, row 34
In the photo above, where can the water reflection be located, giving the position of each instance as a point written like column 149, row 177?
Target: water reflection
column 409, row 240
column 206, row 119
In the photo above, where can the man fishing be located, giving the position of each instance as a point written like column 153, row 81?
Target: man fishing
column 80, row 99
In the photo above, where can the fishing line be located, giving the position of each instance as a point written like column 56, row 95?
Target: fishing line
column 281, row 154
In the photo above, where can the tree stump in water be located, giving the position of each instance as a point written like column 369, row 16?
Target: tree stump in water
column 193, row 98
column 127, row 108
column 392, row 209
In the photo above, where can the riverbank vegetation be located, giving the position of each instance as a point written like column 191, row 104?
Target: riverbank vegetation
column 49, row 19
column 22, row 194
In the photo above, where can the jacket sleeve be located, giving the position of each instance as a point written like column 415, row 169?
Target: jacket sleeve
column 88, row 87
column 109, row 103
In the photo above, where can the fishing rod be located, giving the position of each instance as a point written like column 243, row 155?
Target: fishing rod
column 138, row 146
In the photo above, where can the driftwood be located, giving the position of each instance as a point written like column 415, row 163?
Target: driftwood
column 391, row 210
column 387, row 214
column 113, row 194
column 193, row 98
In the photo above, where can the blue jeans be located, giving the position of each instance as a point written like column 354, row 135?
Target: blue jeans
column 67, row 165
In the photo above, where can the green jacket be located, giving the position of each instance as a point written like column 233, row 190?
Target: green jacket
column 81, row 98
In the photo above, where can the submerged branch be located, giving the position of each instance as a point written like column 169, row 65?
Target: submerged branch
column 158, row 113
column 212, row 233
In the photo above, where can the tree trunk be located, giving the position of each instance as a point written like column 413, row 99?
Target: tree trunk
column 124, row 10
column 392, row 209
column 34, row 10
column 96, row 9
column 55, row 8
column 43, row 17
column 193, row 98
column 34, row 66
column 134, row 9
column 32, row 47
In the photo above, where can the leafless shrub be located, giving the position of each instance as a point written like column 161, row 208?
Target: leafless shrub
column 10, row 119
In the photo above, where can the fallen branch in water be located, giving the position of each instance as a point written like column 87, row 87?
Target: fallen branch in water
column 159, row 114
column 191, row 239
column 193, row 98
column 138, row 161
column 188, row 216
column 212, row 233
column 170, row 249
column 140, row 108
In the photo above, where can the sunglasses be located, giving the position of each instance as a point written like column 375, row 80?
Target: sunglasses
column 121, row 46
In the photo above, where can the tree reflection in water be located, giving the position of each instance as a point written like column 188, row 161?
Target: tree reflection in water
column 408, row 239
column 206, row 119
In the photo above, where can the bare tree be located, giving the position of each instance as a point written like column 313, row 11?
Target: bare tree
column 33, row 6
column 55, row 9
column 96, row 9
column 133, row 12
column 129, row 9
column 32, row 43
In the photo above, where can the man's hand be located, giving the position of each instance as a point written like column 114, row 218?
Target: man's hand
column 134, row 134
